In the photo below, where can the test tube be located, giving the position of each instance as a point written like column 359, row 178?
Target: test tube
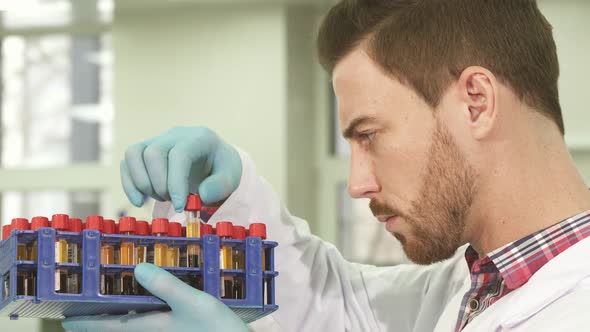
column 160, row 228
column 74, row 255
column 259, row 230
column 127, row 226
column 173, row 258
column 224, row 229
column 61, row 223
column 193, row 229
column 23, row 279
column 23, row 225
column 36, row 223
column 239, row 262
column 141, row 228
column 109, row 256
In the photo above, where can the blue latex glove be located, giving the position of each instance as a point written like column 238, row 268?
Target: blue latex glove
column 192, row 310
column 183, row 159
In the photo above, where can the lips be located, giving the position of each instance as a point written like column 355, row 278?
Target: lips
column 384, row 218
column 390, row 223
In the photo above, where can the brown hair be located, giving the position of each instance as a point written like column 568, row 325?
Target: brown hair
column 428, row 43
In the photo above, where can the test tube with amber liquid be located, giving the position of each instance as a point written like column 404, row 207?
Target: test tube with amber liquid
column 23, row 279
column 74, row 256
column 224, row 229
column 36, row 223
column 141, row 228
column 239, row 262
column 259, row 230
column 160, row 228
column 193, row 227
column 127, row 256
column 60, row 223
column 173, row 257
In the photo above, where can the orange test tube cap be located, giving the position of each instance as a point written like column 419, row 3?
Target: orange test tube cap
column 127, row 225
column 257, row 230
column 21, row 224
column 60, row 222
column 160, row 226
column 75, row 225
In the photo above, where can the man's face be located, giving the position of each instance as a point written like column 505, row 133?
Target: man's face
column 404, row 159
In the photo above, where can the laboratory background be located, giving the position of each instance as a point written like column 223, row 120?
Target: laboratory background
column 84, row 79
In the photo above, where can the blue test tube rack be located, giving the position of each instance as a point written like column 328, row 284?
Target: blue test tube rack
column 46, row 303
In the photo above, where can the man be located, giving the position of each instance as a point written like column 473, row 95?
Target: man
column 452, row 113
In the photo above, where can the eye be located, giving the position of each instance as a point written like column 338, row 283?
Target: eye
column 367, row 136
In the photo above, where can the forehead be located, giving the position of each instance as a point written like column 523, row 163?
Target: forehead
column 362, row 88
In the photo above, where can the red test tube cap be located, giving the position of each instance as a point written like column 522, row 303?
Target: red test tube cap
column 108, row 226
column 193, row 203
column 206, row 229
column 6, row 230
column 160, row 226
column 94, row 222
column 127, row 225
column 257, row 230
column 75, row 225
column 60, row 222
column 239, row 232
column 141, row 228
column 38, row 222
column 21, row 224
column 174, row 229
column 224, row 229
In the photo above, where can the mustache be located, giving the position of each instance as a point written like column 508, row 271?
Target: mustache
column 378, row 208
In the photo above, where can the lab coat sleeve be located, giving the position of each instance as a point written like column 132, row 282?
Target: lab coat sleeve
column 317, row 289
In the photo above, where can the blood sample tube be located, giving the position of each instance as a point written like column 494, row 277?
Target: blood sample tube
column 193, row 229
column 107, row 256
column 127, row 226
column 239, row 261
column 160, row 228
column 61, row 223
column 74, row 256
column 23, row 279
column 36, row 223
column 173, row 258
column 259, row 230
column 224, row 229
column 74, row 249
column 141, row 228
column 21, row 224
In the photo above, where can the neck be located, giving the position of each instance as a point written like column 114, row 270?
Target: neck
column 532, row 189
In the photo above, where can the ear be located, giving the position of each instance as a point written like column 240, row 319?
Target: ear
column 478, row 88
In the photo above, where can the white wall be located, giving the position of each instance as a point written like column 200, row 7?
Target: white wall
column 571, row 28
column 218, row 66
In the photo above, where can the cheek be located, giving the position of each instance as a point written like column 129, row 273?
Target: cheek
column 400, row 167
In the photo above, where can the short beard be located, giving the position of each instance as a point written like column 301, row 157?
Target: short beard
column 437, row 216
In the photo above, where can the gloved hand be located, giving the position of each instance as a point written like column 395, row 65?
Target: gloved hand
column 192, row 310
column 183, row 159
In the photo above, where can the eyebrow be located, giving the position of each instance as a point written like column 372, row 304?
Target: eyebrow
column 349, row 132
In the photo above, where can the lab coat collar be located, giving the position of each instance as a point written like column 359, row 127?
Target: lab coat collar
column 552, row 281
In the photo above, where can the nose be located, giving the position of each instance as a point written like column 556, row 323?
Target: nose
column 362, row 182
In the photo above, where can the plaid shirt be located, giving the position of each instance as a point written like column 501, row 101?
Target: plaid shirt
column 511, row 266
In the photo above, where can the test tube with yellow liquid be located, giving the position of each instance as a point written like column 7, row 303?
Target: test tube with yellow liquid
column 160, row 228
column 60, row 223
column 224, row 229
column 127, row 226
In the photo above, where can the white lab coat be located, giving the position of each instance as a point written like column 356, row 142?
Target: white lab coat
column 318, row 290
